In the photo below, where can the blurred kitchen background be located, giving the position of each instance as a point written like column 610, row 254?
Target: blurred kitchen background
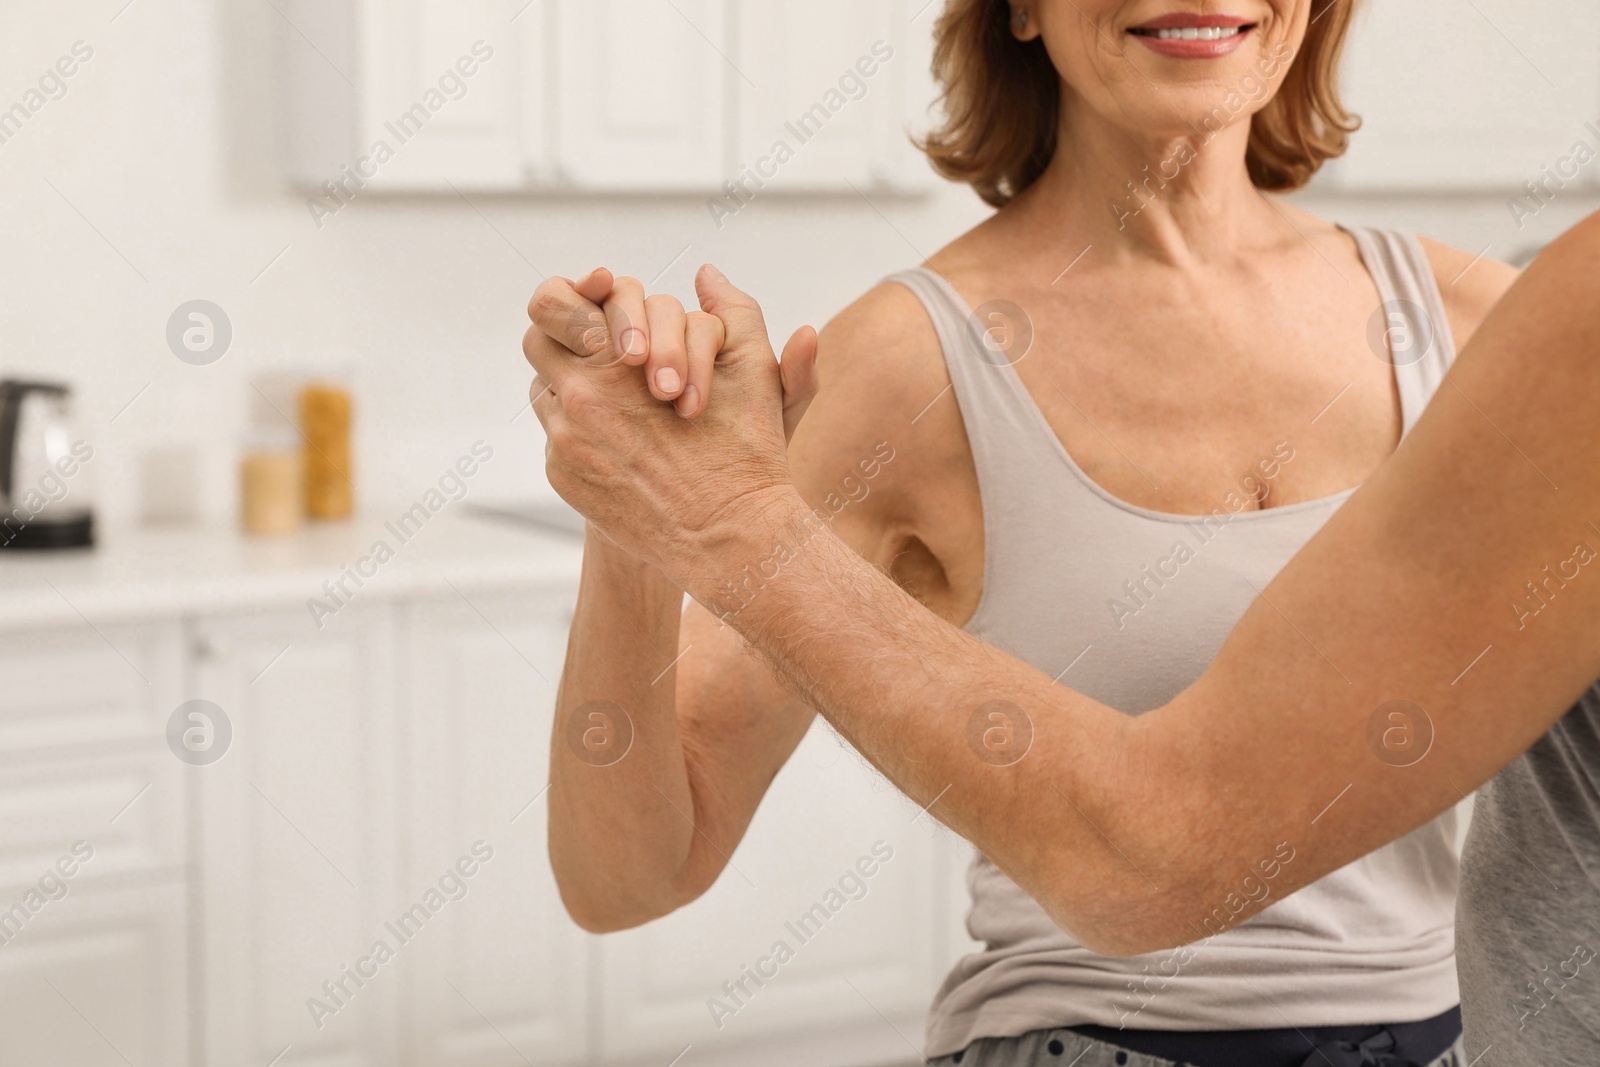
column 234, row 763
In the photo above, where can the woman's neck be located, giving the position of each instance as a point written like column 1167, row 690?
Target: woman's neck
column 1180, row 199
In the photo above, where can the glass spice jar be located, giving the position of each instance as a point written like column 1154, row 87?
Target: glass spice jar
column 325, row 422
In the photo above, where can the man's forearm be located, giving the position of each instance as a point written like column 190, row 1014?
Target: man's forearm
column 1012, row 763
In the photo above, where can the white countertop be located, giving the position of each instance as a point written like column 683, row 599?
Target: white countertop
column 152, row 573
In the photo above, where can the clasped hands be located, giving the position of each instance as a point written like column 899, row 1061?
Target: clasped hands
column 634, row 439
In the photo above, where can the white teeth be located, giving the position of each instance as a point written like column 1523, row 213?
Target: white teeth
column 1198, row 33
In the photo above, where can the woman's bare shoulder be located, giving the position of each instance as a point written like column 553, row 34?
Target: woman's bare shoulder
column 882, row 389
column 882, row 349
column 1470, row 285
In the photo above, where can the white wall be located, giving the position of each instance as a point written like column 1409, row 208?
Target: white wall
column 170, row 143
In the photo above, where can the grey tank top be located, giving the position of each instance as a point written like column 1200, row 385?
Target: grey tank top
column 1128, row 606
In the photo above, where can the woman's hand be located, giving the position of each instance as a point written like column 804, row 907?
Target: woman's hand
column 650, row 332
column 663, row 487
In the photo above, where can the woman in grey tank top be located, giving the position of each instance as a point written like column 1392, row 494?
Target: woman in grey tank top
column 1089, row 431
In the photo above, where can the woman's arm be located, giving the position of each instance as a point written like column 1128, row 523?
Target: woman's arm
column 648, row 809
column 658, row 759
column 1130, row 832
column 666, row 741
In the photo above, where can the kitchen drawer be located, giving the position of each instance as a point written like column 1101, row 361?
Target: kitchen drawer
column 70, row 687
column 128, row 808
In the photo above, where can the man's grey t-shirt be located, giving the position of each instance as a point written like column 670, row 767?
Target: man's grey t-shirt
column 1528, row 913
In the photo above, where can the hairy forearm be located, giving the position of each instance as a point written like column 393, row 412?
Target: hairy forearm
column 996, row 751
column 620, row 814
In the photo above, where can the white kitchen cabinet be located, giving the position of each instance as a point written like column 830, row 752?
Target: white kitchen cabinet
column 93, row 847
column 412, row 95
column 869, row 956
column 367, row 761
column 97, row 980
column 444, row 81
column 297, row 836
column 641, row 93
column 828, row 102
column 601, row 95
column 502, row 979
column 1469, row 95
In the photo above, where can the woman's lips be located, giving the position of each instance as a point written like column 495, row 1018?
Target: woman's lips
column 1193, row 36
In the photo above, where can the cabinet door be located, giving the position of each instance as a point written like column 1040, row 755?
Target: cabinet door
column 828, row 102
column 96, row 979
column 1470, row 95
column 297, row 877
column 501, row 975
column 443, row 87
column 642, row 90
column 406, row 95
column 794, row 942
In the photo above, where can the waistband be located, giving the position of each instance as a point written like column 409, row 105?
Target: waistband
column 1399, row 1044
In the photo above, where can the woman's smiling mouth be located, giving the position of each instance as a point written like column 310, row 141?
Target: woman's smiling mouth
column 1185, row 36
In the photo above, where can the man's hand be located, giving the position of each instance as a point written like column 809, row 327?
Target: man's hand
column 622, row 325
column 662, row 486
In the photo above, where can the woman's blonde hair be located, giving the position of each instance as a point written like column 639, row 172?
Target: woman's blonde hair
column 1002, row 101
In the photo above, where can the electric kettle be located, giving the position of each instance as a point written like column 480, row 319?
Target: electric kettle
column 44, row 491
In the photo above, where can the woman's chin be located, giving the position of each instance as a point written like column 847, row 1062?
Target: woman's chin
column 1185, row 116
